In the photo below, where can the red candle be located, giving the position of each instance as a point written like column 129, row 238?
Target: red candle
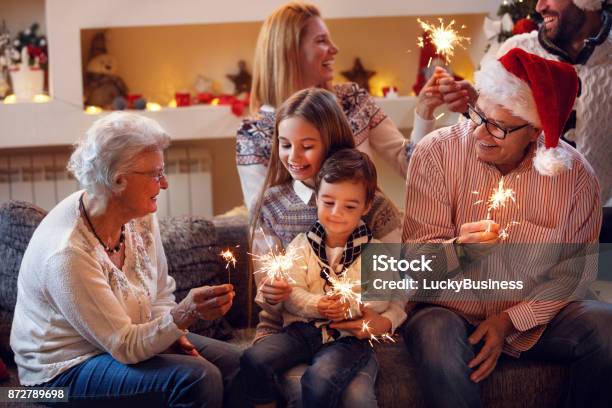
column 182, row 98
column 132, row 98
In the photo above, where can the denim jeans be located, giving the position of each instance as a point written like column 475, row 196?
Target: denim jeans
column 332, row 365
column 580, row 336
column 166, row 380
column 359, row 393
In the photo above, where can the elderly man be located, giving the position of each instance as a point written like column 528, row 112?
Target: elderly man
column 514, row 133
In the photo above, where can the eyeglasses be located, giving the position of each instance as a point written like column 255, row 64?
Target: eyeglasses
column 494, row 129
column 156, row 175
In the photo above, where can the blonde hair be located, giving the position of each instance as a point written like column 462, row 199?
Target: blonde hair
column 320, row 108
column 276, row 67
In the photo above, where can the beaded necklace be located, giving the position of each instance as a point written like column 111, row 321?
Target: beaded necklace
column 108, row 249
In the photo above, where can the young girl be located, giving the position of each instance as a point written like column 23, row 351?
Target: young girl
column 345, row 189
column 309, row 127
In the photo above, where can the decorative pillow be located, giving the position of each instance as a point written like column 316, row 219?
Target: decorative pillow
column 18, row 220
column 193, row 261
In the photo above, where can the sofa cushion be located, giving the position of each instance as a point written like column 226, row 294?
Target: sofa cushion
column 193, row 260
column 513, row 383
column 18, row 220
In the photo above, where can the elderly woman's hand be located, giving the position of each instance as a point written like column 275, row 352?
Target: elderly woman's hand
column 275, row 291
column 206, row 302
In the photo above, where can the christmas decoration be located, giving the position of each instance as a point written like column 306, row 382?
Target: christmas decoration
column 524, row 25
column 517, row 17
column 517, row 10
column 36, row 47
column 359, row 75
column 182, row 98
column 5, row 49
column 102, row 84
column 242, row 80
column 25, row 59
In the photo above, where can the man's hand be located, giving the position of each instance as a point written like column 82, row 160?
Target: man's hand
column 378, row 324
column 479, row 232
column 332, row 307
column 494, row 331
column 275, row 291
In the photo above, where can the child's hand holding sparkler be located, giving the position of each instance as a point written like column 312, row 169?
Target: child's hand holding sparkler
column 333, row 307
column 275, row 290
column 370, row 324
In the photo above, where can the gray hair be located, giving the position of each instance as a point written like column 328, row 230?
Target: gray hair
column 108, row 148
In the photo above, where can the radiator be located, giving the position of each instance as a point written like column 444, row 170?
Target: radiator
column 42, row 179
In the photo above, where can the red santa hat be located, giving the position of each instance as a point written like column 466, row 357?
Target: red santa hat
column 538, row 90
column 590, row 5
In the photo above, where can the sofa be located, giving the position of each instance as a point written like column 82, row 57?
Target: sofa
column 192, row 246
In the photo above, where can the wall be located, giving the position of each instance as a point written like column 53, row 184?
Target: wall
column 20, row 14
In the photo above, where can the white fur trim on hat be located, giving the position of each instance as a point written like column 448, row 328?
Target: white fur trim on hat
column 589, row 5
column 501, row 87
column 550, row 162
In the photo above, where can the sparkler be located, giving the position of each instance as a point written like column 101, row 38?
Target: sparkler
column 230, row 262
column 343, row 286
column 365, row 327
column 443, row 37
column 276, row 265
column 498, row 199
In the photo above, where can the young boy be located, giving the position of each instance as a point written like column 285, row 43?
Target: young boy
column 329, row 252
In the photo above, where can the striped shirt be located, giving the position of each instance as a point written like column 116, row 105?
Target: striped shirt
column 444, row 183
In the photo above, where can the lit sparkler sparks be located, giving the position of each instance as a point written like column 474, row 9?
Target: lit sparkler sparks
column 277, row 266
column 230, row 262
column 274, row 265
column 343, row 286
column 499, row 197
column 444, row 37
column 365, row 327
column 505, row 232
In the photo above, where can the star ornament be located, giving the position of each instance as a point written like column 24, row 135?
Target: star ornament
column 242, row 80
column 359, row 75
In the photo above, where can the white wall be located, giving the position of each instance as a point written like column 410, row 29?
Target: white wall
column 20, row 14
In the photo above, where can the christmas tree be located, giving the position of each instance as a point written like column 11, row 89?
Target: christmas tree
column 518, row 10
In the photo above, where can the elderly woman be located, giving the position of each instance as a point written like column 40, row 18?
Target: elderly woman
column 95, row 306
